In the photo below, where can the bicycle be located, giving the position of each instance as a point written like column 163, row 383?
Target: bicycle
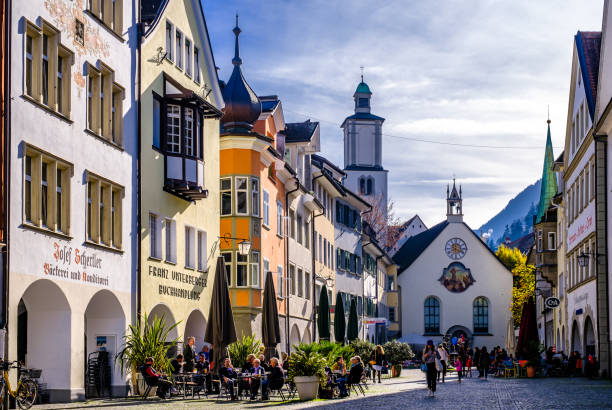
column 25, row 394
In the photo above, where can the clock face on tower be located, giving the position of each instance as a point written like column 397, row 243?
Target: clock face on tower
column 455, row 248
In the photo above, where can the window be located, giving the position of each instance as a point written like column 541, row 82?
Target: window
column 481, row 315
column 156, row 123
column 242, row 189
column 363, row 103
column 190, row 148
column 202, row 249
column 179, row 49
column 300, row 282
column 266, row 208
column 255, row 276
column 104, row 211
column 226, row 196
column 362, row 185
column 586, row 186
column 189, row 247
column 170, row 232
column 299, row 229
column 188, row 57
column 173, row 129
column 154, row 237
column 307, row 285
column 325, row 251
column 241, row 269
column 288, row 156
column 109, row 12
column 432, row 315
column 46, row 67
column 280, row 280
column 279, row 218
column 266, row 268
column 390, row 283
column 255, row 196
column 552, row 242
column 79, row 32
column 593, row 179
column 540, row 240
column 104, row 103
column 169, row 29
column 392, row 314
column 292, row 223
column 196, row 64
column 46, row 201
column 292, row 279
column 307, row 234
column 227, row 258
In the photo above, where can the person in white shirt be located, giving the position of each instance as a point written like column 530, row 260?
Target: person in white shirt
column 443, row 359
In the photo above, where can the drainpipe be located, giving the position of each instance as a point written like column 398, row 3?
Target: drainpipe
column 297, row 187
column 139, row 166
column 7, row 169
column 314, row 272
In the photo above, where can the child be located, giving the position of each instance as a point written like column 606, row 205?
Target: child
column 468, row 367
column 459, row 368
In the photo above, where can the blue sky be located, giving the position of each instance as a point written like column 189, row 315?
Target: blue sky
column 461, row 72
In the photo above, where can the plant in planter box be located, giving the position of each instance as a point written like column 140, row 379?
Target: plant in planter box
column 241, row 349
column 306, row 370
column 396, row 353
column 142, row 340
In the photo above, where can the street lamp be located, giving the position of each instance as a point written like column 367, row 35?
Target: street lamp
column 583, row 259
column 244, row 247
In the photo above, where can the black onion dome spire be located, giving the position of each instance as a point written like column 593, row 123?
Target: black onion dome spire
column 242, row 107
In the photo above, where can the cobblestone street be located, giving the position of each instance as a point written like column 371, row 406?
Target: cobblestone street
column 409, row 391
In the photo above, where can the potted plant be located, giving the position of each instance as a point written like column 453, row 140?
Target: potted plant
column 533, row 352
column 396, row 353
column 143, row 340
column 306, row 370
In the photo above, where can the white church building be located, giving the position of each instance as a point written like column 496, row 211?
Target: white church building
column 452, row 284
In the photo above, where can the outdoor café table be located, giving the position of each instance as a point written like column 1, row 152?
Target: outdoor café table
column 185, row 380
column 248, row 376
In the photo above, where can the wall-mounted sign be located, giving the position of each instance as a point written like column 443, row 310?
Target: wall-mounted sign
column 82, row 265
column 581, row 227
column 456, row 278
column 552, row 302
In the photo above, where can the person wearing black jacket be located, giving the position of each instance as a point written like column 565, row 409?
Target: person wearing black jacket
column 228, row 377
column 477, row 361
column 356, row 371
column 376, row 361
column 276, row 379
column 485, row 362
column 177, row 364
column 189, row 355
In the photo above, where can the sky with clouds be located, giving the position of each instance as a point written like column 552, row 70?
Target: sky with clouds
column 469, row 72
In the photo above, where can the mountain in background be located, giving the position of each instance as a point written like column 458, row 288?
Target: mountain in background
column 515, row 220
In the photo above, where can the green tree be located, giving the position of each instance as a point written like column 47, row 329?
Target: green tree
column 523, row 279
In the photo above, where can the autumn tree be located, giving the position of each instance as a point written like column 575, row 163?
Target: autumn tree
column 382, row 219
column 523, row 279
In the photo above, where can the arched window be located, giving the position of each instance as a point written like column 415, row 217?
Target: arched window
column 481, row 315
column 432, row 315
column 362, row 185
column 370, row 186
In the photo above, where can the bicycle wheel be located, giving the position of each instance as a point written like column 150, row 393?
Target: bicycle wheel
column 26, row 394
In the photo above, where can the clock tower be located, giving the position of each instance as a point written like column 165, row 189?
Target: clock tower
column 454, row 204
column 363, row 150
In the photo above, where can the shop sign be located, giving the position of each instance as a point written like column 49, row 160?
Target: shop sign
column 582, row 227
column 76, row 264
column 173, row 278
column 552, row 302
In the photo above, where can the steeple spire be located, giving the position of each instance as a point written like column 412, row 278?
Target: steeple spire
column 454, row 203
column 548, row 188
column 237, row 60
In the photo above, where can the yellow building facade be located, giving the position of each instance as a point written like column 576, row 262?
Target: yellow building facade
column 181, row 106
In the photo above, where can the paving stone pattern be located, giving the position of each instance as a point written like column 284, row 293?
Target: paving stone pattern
column 410, row 392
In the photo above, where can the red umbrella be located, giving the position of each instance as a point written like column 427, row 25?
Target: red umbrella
column 528, row 331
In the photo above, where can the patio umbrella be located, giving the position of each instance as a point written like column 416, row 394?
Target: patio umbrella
column 352, row 331
column 220, row 329
column 528, row 331
column 510, row 338
column 339, row 320
column 323, row 317
column 270, row 328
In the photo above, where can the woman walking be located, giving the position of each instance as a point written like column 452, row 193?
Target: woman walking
column 485, row 362
column 430, row 354
column 376, row 361
column 443, row 360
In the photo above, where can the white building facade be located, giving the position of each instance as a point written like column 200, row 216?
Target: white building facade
column 72, row 198
column 452, row 285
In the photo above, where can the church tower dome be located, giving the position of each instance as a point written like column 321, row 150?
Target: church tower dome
column 242, row 106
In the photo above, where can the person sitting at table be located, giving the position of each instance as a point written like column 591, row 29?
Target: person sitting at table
column 262, row 361
column 356, row 371
column 243, row 384
column 203, row 376
column 177, row 364
column 155, row 378
column 257, row 380
column 276, row 378
column 228, row 377
column 205, row 352
column 340, row 369
column 285, row 358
